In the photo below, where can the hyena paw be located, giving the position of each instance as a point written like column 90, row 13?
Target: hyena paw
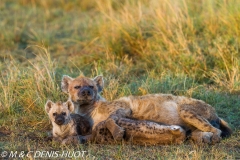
column 216, row 137
column 206, row 137
column 118, row 134
column 200, row 137
column 176, row 130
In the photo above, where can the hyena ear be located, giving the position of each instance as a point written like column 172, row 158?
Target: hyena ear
column 100, row 83
column 70, row 106
column 66, row 80
column 48, row 106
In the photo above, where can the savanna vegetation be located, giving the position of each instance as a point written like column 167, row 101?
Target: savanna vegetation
column 182, row 47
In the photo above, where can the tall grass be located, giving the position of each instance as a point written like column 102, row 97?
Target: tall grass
column 27, row 87
column 195, row 38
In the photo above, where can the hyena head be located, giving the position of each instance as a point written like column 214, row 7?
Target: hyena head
column 59, row 113
column 82, row 90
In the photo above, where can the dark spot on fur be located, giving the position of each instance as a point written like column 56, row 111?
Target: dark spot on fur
column 206, row 125
column 191, row 117
column 169, row 98
column 199, row 119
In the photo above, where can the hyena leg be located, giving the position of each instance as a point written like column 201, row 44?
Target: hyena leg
column 146, row 132
column 100, row 134
column 111, row 123
column 199, row 122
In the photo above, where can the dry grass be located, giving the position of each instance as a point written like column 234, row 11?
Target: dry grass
column 181, row 47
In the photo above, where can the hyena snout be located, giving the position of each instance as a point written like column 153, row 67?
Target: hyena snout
column 60, row 120
column 85, row 92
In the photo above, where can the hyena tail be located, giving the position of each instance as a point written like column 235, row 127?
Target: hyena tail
column 224, row 127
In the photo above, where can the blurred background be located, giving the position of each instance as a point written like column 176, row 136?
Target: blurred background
column 199, row 39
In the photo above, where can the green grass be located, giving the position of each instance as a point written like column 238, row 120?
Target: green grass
column 183, row 47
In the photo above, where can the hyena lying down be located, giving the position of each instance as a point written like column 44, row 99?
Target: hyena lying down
column 71, row 128
column 193, row 115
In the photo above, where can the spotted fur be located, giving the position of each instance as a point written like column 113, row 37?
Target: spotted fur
column 139, row 132
column 194, row 115
column 72, row 125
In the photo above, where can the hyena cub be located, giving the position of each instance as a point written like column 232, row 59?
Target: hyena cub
column 66, row 126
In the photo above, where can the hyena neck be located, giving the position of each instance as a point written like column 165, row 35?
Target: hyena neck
column 84, row 109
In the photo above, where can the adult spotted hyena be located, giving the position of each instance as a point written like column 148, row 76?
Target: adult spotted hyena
column 85, row 93
column 194, row 115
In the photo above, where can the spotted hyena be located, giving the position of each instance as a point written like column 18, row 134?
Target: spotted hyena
column 66, row 126
column 195, row 116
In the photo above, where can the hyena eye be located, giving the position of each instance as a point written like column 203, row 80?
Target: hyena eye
column 64, row 113
column 54, row 114
column 77, row 87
